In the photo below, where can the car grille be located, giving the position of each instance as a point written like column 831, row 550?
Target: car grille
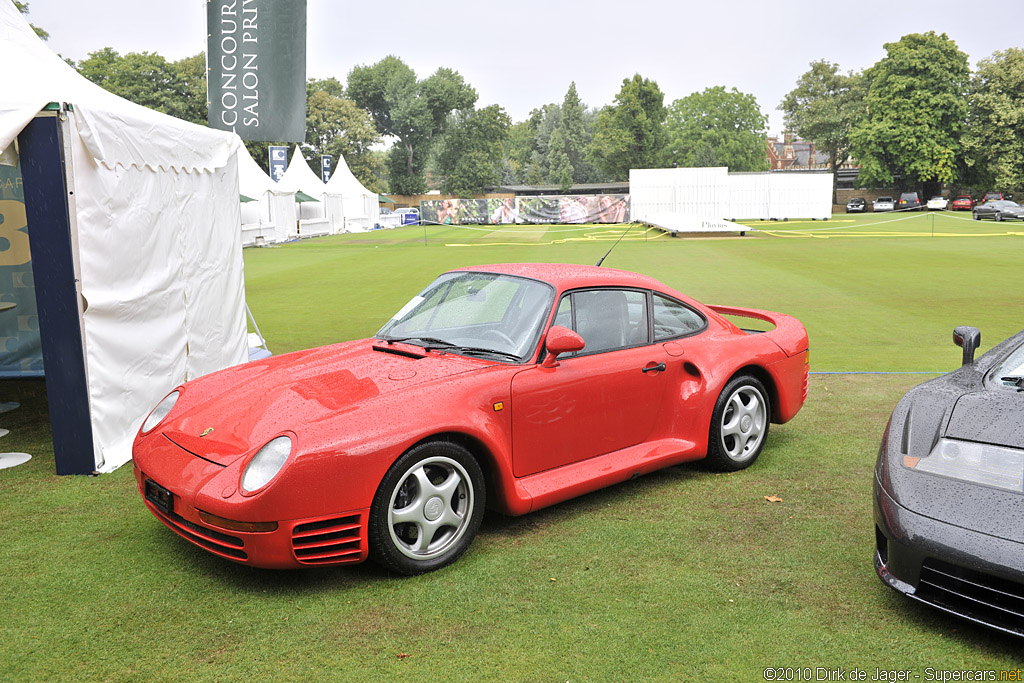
column 975, row 595
column 214, row 541
column 330, row 541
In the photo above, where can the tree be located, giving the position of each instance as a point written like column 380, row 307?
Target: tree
column 470, row 152
column 23, row 8
column 994, row 143
column 630, row 133
column 559, row 162
column 415, row 112
column 574, row 133
column 717, row 127
column 914, row 114
column 822, row 108
column 340, row 128
column 145, row 78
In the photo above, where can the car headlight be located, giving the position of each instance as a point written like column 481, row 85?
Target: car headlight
column 978, row 463
column 265, row 465
column 160, row 412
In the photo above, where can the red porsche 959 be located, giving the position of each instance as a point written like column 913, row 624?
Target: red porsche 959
column 512, row 386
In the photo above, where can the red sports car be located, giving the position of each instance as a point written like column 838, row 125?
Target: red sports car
column 513, row 386
column 962, row 202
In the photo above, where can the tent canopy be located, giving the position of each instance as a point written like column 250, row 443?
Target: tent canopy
column 155, row 232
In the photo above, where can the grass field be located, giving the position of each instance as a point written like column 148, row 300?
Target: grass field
column 680, row 575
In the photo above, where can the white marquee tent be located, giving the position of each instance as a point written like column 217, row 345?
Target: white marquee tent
column 271, row 218
column 154, row 215
column 313, row 216
column 361, row 207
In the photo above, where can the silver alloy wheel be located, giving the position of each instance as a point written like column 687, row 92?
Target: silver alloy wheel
column 430, row 508
column 743, row 423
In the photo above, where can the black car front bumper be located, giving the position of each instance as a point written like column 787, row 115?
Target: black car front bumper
column 966, row 573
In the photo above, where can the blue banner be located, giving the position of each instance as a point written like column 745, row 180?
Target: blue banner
column 278, row 162
column 21, row 351
column 325, row 167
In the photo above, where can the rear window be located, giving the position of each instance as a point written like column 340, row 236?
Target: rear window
column 909, row 195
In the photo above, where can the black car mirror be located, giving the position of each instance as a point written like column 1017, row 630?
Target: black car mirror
column 969, row 339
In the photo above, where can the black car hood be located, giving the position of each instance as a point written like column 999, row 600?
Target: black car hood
column 958, row 405
column 995, row 417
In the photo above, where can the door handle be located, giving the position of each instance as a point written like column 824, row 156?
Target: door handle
column 653, row 368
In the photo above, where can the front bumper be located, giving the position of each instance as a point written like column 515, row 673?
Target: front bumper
column 971, row 575
column 315, row 541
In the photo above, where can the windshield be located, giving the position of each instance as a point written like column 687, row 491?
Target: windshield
column 475, row 314
column 1009, row 372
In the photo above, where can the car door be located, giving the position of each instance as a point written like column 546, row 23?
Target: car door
column 602, row 399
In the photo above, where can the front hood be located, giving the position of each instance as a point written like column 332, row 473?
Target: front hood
column 989, row 417
column 241, row 408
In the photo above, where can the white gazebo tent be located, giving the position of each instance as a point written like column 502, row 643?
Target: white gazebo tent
column 148, row 214
column 271, row 218
column 361, row 207
column 313, row 218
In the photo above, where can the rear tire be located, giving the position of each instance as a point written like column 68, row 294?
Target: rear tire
column 739, row 424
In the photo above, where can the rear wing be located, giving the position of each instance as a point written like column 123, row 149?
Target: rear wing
column 789, row 333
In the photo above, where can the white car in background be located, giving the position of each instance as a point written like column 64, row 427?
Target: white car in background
column 938, row 204
column 883, row 204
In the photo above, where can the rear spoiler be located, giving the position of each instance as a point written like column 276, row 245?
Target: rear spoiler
column 789, row 333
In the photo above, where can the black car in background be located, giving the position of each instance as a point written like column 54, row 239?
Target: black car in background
column 856, row 205
column 909, row 201
column 949, row 489
column 999, row 210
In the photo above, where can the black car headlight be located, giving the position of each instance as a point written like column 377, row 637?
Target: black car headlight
column 978, row 463
column 160, row 412
column 265, row 465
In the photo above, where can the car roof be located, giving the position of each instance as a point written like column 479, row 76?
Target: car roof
column 570, row 276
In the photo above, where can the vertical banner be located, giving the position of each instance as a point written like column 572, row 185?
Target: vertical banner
column 278, row 162
column 256, row 68
column 325, row 167
column 21, row 352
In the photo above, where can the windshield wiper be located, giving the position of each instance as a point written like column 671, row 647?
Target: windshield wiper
column 477, row 350
column 1015, row 380
column 431, row 342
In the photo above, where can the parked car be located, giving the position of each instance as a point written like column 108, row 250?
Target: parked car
column 989, row 196
column 883, row 204
column 856, row 205
column 948, row 494
column 962, row 202
column 517, row 386
column 999, row 210
column 909, row 201
column 938, row 204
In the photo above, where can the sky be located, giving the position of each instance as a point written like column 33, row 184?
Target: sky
column 522, row 54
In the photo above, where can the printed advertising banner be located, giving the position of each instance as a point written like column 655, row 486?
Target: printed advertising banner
column 21, row 351
column 256, row 61
column 604, row 208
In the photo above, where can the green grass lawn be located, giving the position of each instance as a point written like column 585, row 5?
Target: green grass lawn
column 680, row 575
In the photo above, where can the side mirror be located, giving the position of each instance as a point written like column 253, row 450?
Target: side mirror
column 560, row 340
column 969, row 339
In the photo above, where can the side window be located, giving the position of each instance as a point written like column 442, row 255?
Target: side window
column 673, row 319
column 563, row 316
column 610, row 319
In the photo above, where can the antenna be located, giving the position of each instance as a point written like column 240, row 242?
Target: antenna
column 615, row 245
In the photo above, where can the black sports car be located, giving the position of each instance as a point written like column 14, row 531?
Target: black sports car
column 1000, row 210
column 949, row 489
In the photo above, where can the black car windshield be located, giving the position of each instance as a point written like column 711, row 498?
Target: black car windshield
column 1002, row 204
column 477, row 314
column 1010, row 370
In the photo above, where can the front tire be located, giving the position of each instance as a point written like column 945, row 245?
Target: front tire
column 739, row 424
column 427, row 509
